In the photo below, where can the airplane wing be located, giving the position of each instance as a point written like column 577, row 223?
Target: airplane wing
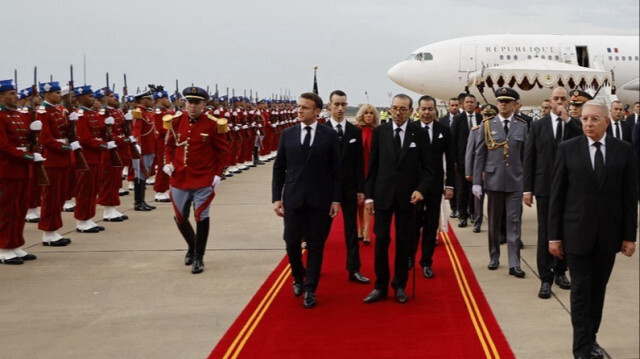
column 539, row 73
column 633, row 85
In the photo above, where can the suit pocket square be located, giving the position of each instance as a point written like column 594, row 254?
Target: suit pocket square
column 412, row 145
column 440, row 136
column 353, row 140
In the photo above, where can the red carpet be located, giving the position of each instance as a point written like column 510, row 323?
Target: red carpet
column 449, row 318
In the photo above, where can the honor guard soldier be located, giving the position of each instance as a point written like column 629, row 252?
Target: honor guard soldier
column 578, row 98
column 34, row 191
column 144, row 131
column 54, row 139
column 498, row 169
column 15, row 160
column 161, row 185
column 196, row 153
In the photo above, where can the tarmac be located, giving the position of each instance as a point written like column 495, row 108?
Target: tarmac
column 126, row 293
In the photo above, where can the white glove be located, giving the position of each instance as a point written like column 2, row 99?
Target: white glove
column 133, row 139
column 111, row 145
column 274, row 125
column 75, row 145
column 73, row 116
column 168, row 169
column 36, row 125
column 259, row 125
column 109, row 121
column 128, row 116
column 216, row 182
column 38, row 157
column 245, row 127
column 477, row 190
column 138, row 148
column 236, row 128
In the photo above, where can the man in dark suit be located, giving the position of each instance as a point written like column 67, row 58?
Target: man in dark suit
column 618, row 128
column 352, row 159
column 453, row 109
column 635, row 138
column 634, row 117
column 398, row 176
column 542, row 143
column 593, row 214
column 460, row 128
column 306, row 191
column 528, row 119
column 439, row 143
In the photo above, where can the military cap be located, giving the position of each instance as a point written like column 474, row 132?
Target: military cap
column 116, row 96
column 489, row 110
column 506, row 93
column 101, row 93
column 47, row 87
column 143, row 94
column 160, row 94
column 578, row 97
column 196, row 93
column 173, row 96
column 26, row 92
column 83, row 90
column 129, row 98
column 7, row 85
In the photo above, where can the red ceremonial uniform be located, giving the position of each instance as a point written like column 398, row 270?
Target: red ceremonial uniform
column 162, row 180
column 199, row 152
column 111, row 177
column 14, row 174
column 56, row 149
column 91, row 139
column 34, row 190
column 144, row 130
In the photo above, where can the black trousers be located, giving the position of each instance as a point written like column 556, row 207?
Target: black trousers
column 589, row 277
column 350, row 217
column 405, row 222
column 313, row 225
column 548, row 264
column 427, row 218
column 464, row 197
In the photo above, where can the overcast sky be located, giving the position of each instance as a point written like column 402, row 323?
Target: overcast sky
column 269, row 46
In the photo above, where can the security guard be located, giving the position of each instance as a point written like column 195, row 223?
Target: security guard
column 196, row 152
column 144, row 131
column 498, row 168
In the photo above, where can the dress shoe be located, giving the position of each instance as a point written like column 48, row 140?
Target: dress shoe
column 32, row 220
column 596, row 351
column 140, row 207
column 360, row 238
column 545, row 291
column 516, row 272
column 374, row 296
column 297, row 289
column 454, row 214
column 69, row 209
column 309, row 299
column 100, row 228
column 401, row 296
column 148, row 205
column 188, row 258
column 493, row 265
column 124, row 217
column 88, row 230
column 14, row 260
column 476, row 228
column 58, row 243
column 29, row 257
column 114, row 219
column 366, row 242
column 123, row 193
column 163, row 200
column 427, row 272
column 198, row 265
column 463, row 223
column 562, row 281
column 358, row 278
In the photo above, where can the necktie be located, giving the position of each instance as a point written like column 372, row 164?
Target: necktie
column 559, row 131
column 618, row 129
column 306, row 144
column 340, row 132
column 397, row 144
column 470, row 121
column 428, row 136
column 506, row 127
column 598, row 166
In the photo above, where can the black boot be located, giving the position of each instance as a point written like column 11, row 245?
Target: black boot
column 202, row 234
column 138, row 195
column 190, row 237
column 256, row 157
column 143, row 188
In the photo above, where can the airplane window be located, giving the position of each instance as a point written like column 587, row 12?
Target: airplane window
column 623, row 58
column 557, row 57
column 419, row 57
column 610, row 58
column 542, row 57
column 529, row 57
column 501, row 57
column 636, row 58
column 411, row 57
column 508, row 57
column 617, row 58
column 427, row 56
column 515, row 57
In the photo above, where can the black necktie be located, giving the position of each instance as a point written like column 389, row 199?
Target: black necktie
column 471, row 121
column 397, row 144
column 559, row 131
column 506, row 127
column 598, row 166
column 428, row 136
column 617, row 129
column 340, row 132
column 307, row 141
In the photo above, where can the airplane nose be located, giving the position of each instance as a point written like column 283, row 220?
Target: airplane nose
column 396, row 74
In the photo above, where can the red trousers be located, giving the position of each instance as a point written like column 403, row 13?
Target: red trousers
column 162, row 180
column 35, row 191
column 87, row 184
column 13, row 208
column 70, row 189
column 236, row 149
column 110, row 186
column 53, row 197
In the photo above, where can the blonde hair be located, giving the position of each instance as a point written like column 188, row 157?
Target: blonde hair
column 360, row 116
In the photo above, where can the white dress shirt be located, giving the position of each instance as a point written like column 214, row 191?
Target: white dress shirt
column 303, row 132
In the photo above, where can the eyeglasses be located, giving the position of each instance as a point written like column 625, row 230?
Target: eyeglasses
column 399, row 109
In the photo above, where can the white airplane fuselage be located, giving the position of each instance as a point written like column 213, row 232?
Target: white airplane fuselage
column 442, row 69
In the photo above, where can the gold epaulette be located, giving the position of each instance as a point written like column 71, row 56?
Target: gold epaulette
column 136, row 113
column 222, row 123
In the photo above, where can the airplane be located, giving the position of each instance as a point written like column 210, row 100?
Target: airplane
column 531, row 64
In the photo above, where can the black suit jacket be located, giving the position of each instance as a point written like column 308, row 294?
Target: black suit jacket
column 460, row 132
column 446, row 120
column 632, row 119
column 314, row 180
column 352, row 159
column 441, row 143
column 625, row 127
column 586, row 214
column 388, row 176
column 540, row 153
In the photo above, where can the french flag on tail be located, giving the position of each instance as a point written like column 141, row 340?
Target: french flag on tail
column 615, row 50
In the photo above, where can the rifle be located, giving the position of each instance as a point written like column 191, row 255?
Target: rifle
column 43, row 179
column 176, row 100
column 135, row 154
column 81, row 162
column 116, row 161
